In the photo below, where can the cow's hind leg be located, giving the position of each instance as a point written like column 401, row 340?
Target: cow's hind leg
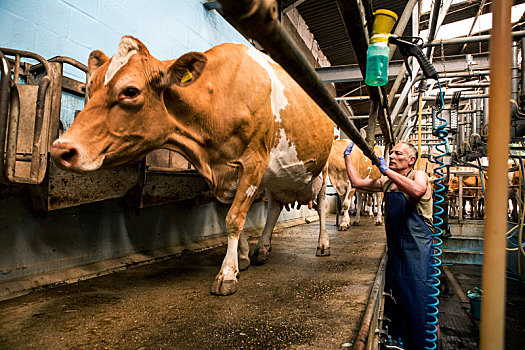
column 323, row 244
column 264, row 246
column 357, row 219
column 377, row 200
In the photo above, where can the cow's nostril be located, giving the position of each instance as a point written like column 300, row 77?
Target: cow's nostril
column 65, row 154
column 69, row 154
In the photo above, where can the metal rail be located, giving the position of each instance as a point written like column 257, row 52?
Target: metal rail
column 473, row 39
column 371, row 308
column 258, row 19
column 37, row 169
column 5, row 85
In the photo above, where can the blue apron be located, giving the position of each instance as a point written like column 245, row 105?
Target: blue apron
column 409, row 242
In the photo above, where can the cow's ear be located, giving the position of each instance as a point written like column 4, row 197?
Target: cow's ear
column 187, row 69
column 96, row 59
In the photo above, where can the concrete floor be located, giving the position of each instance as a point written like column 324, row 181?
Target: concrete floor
column 460, row 330
column 295, row 301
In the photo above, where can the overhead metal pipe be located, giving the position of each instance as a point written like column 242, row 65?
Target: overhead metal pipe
column 480, row 11
column 400, row 29
column 402, row 24
column 433, row 24
column 522, row 80
column 415, row 68
column 425, row 98
column 258, row 19
column 468, row 85
column 372, row 119
column 492, row 330
column 473, row 39
column 403, row 125
column 357, row 19
column 515, row 75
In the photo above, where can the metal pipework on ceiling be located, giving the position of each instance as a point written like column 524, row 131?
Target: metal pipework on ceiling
column 357, row 19
column 438, row 15
column 258, row 19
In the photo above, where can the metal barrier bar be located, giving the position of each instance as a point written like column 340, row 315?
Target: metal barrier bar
column 5, row 85
column 258, row 19
column 76, row 64
column 12, row 131
column 363, row 336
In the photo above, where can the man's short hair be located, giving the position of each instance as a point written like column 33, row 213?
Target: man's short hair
column 412, row 150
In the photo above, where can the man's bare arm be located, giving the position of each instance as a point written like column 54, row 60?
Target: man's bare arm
column 373, row 185
column 415, row 188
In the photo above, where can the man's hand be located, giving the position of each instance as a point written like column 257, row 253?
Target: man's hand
column 348, row 149
column 382, row 165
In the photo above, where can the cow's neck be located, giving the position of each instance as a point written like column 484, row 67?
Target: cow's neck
column 188, row 134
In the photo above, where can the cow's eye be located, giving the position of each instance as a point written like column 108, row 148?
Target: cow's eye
column 130, row 92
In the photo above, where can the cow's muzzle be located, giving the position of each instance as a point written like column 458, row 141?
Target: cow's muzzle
column 70, row 156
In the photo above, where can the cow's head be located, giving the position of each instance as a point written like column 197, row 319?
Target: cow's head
column 125, row 117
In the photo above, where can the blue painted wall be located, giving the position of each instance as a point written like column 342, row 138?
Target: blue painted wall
column 74, row 28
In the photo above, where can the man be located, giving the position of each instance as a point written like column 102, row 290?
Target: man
column 408, row 222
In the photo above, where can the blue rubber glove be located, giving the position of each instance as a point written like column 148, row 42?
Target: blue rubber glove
column 382, row 165
column 348, row 149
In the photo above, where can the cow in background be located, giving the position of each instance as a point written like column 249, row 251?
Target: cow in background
column 473, row 196
column 339, row 178
column 236, row 115
column 515, row 179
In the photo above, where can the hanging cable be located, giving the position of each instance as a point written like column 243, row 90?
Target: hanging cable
column 439, row 188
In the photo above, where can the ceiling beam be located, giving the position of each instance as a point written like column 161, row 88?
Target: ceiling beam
column 352, row 73
column 293, row 5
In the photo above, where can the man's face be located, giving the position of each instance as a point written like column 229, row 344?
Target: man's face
column 400, row 158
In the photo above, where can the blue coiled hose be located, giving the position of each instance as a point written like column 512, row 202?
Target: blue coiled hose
column 433, row 311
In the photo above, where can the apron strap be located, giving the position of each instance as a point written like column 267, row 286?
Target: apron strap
column 390, row 183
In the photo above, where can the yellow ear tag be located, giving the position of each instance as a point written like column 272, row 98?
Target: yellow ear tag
column 186, row 77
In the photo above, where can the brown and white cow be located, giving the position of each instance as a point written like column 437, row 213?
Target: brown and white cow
column 339, row 178
column 236, row 115
column 473, row 196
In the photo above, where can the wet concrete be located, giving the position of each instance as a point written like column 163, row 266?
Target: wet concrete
column 295, row 301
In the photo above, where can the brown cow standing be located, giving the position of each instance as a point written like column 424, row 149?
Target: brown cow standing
column 339, row 178
column 236, row 115
column 473, row 196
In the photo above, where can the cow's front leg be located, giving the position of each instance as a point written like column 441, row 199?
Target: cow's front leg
column 323, row 244
column 226, row 281
column 244, row 252
column 345, row 222
column 264, row 246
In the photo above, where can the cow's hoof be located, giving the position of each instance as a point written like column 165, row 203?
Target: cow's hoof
column 342, row 228
column 223, row 288
column 259, row 258
column 244, row 264
column 322, row 251
column 355, row 223
column 378, row 223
